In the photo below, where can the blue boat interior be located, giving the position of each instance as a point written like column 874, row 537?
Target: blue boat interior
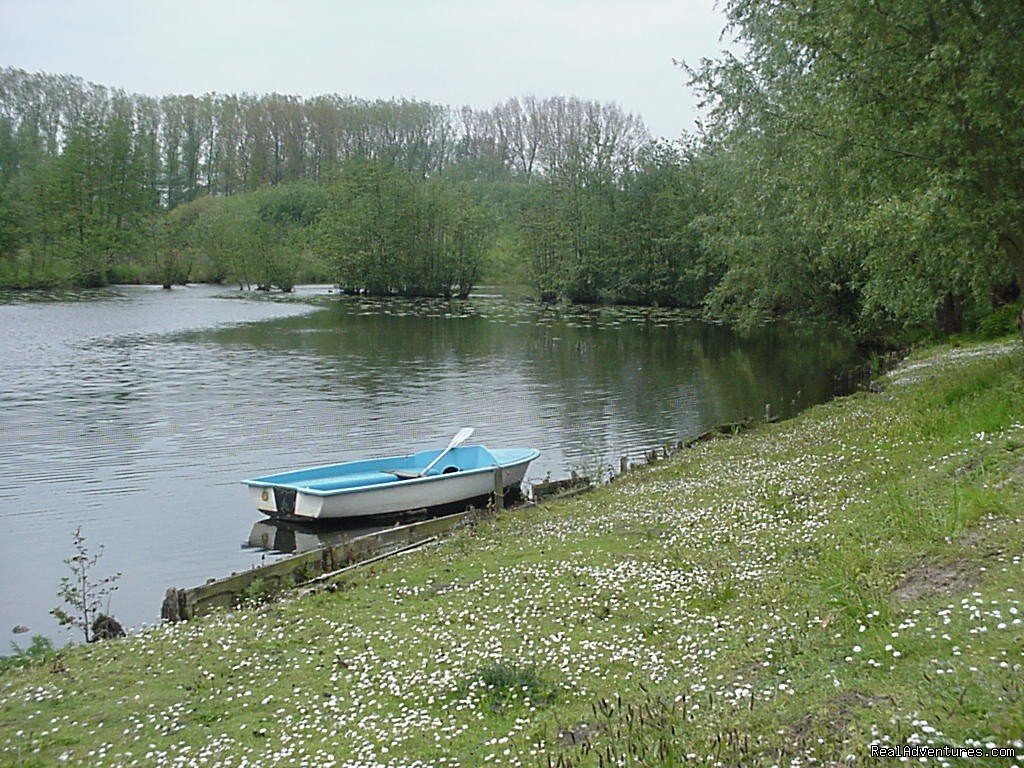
column 393, row 469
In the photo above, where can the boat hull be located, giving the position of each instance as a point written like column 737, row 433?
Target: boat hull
column 367, row 489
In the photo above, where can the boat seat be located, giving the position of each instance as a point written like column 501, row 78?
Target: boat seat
column 404, row 474
column 350, row 480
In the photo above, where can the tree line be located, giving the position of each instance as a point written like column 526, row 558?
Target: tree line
column 220, row 144
column 99, row 185
column 861, row 162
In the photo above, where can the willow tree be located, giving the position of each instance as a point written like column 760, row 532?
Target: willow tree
column 570, row 229
column 894, row 132
column 388, row 231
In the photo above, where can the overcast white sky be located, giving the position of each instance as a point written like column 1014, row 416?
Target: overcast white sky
column 456, row 52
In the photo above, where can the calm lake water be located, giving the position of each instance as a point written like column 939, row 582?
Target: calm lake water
column 134, row 412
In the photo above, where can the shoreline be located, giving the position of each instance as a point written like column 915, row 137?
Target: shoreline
column 846, row 578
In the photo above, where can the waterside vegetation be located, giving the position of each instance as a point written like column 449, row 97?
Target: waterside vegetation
column 790, row 595
column 859, row 162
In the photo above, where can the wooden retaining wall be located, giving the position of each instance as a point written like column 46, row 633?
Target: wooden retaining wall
column 184, row 604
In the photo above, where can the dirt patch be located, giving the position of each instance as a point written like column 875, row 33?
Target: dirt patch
column 979, row 544
column 835, row 718
column 1014, row 476
column 581, row 734
column 937, row 579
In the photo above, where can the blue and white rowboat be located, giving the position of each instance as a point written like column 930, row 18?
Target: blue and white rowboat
column 390, row 484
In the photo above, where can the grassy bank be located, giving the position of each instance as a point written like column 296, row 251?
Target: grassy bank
column 784, row 597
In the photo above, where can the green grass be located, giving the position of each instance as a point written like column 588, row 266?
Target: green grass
column 38, row 651
column 780, row 597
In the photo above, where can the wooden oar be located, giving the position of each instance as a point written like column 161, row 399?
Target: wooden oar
column 459, row 439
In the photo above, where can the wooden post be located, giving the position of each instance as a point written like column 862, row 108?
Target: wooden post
column 767, row 411
column 499, row 490
column 171, row 608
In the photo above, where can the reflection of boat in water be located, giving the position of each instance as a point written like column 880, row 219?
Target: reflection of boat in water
column 279, row 536
column 289, row 536
column 283, row 536
column 392, row 484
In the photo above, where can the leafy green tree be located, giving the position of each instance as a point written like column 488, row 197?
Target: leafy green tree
column 175, row 246
column 229, row 239
column 887, row 135
column 365, row 229
column 661, row 260
column 285, row 216
column 462, row 228
column 572, row 221
column 546, row 240
column 388, row 231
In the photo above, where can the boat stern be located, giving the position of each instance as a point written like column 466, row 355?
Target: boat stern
column 308, row 506
column 262, row 496
column 284, row 502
